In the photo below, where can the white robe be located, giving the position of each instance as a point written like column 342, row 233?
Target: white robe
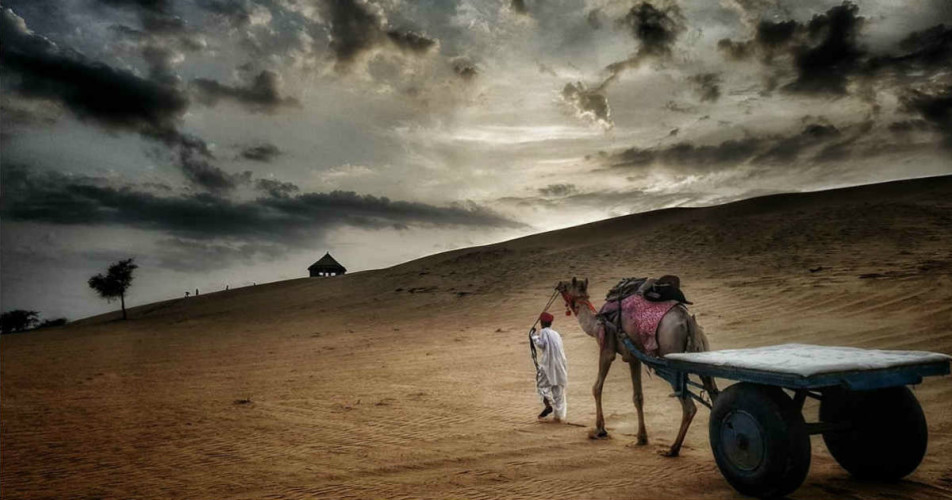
column 552, row 361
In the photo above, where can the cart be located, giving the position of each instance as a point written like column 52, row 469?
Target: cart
column 871, row 422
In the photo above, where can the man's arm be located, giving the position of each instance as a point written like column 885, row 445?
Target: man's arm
column 540, row 340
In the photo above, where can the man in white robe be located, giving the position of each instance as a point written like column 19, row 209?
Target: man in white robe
column 552, row 376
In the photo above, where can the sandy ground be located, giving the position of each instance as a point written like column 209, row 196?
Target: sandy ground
column 415, row 381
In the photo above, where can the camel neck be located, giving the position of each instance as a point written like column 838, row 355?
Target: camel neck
column 586, row 317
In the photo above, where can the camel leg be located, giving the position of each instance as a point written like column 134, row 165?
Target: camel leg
column 605, row 358
column 688, row 409
column 639, row 400
column 711, row 387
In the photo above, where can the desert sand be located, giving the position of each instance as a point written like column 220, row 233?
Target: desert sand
column 416, row 382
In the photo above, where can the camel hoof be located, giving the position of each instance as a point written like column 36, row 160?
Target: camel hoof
column 669, row 453
column 642, row 441
column 598, row 434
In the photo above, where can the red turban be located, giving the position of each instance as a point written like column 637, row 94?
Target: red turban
column 546, row 317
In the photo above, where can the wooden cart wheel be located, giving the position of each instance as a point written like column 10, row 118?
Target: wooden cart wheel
column 759, row 439
column 886, row 435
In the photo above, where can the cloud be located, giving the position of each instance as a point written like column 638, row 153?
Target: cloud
column 823, row 52
column 519, row 7
column 114, row 99
column 93, row 91
column 238, row 13
column 929, row 49
column 59, row 199
column 189, row 255
column 261, row 152
column 707, row 86
column 656, row 29
column 591, row 105
column 934, row 105
column 464, row 68
column 261, row 95
column 770, row 38
column 758, row 150
column 357, row 27
column 410, row 41
column 276, row 188
column 831, row 52
column 558, row 190
column 161, row 61
column 155, row 16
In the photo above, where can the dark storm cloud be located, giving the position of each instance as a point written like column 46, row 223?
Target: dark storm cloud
column 588, row 104
column 707, row 86
column 826, row 55
column 464, row 68
column 760, row 150
column 261, row 152
column 111, row 98
column 59, row 199
column 935, row 108
column 929, row 49
column 276, row 188
column 770, row 39
column 357, row 27
column 831, row 53
column 519, row 6
column 411, row 42
column 824, row 51
column 788, row 149
column 656, row 29
column 93, row 91
column 263, row 94
column 157, row 6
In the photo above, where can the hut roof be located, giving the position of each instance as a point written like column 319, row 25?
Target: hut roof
column 327, row 262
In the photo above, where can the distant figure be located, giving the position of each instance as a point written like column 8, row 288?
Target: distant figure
column 552, row 376
column 186, row 295
column 226, row 288
column 196, row 292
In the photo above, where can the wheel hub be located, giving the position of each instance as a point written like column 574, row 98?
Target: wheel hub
column 742, row 439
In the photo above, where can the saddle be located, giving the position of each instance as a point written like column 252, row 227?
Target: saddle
column 667, row 287
column 652, row 299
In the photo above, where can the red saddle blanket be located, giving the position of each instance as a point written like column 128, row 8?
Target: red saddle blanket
column 645, row 315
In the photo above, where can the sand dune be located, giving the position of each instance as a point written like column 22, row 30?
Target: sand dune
column 415, row 381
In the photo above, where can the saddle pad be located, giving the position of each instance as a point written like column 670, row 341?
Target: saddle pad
column 645, row 316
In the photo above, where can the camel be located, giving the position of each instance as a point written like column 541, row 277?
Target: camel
column 678, row 331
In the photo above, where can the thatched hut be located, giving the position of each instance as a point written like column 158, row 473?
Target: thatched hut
column 326, row 266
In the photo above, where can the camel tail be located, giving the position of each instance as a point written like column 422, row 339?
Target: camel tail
column 697, row 341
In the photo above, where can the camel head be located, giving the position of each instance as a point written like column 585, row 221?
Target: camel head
column 573, row 292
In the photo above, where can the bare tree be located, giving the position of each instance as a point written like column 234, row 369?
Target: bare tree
column 114, row 284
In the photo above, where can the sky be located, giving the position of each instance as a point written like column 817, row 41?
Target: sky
column 230, row 142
